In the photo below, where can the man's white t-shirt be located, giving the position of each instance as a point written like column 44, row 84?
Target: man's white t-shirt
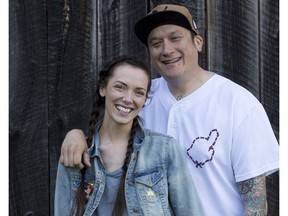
column 225, row 133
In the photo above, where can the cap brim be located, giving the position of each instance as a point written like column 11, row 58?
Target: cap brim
column 144, row 26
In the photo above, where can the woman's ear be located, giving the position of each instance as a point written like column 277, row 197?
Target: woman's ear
column 102, row 91
column 198, row 41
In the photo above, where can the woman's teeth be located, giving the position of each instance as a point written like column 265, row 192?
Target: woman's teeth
column 123, row 109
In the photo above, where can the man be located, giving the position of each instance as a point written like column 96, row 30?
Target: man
column 223, row 128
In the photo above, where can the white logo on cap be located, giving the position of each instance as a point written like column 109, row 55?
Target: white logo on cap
column 194, row 24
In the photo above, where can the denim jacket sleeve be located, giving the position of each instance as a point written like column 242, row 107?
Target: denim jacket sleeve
column 183, row 196
column 64, row 194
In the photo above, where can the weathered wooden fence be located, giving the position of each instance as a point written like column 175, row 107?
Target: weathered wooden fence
column 56, row 47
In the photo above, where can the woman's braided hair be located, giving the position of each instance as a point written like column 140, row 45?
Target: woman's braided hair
column 97, row 115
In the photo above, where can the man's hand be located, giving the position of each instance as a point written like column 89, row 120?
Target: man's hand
column 73, row 150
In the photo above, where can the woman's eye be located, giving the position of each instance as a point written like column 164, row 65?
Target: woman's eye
column 120, row 87
column 140, row 93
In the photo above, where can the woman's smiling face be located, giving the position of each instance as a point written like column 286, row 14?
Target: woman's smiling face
column 125, row 94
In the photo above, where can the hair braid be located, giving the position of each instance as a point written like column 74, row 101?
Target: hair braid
column 120, row 202
column 80, row 199
column 130, row 144
column 95, row 113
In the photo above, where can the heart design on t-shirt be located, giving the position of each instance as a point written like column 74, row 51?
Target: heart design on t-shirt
column 202, row 149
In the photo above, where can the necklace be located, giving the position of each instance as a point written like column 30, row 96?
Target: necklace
column 179, row 97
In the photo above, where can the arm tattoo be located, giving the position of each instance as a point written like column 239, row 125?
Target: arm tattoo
column 253, row 194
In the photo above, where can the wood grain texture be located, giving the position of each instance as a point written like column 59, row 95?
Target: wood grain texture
column 269, row 83
column 115, row 29
column 71, row 74
column 233, row 41
column 28, row 143
column 269, row 60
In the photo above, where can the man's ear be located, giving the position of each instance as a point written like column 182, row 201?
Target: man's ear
column 198, row 41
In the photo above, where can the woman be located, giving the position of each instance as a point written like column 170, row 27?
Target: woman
column 134, row 171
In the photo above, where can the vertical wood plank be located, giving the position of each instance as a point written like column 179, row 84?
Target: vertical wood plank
column 233, row 41
column 269, row 82
column 28, row 144
column 269, row 59
column 115, row 22
column 71, row 73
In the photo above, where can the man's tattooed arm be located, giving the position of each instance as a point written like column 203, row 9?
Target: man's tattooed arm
column 253, row 194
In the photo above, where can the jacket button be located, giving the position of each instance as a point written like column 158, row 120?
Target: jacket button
column 130, row 182
column 136, row 209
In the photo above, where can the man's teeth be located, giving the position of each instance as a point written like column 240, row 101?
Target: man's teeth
column 123, row 109
column 171, row 61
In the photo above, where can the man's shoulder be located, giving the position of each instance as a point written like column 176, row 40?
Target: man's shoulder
column 158, row 84
column 157, row 81
column 231, row 86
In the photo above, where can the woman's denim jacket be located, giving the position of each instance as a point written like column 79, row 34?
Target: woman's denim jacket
column 157, row 182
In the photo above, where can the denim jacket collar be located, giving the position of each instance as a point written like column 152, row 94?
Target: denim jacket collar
column 94, row 150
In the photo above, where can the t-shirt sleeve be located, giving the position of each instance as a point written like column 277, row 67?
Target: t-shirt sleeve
column 255, row 149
